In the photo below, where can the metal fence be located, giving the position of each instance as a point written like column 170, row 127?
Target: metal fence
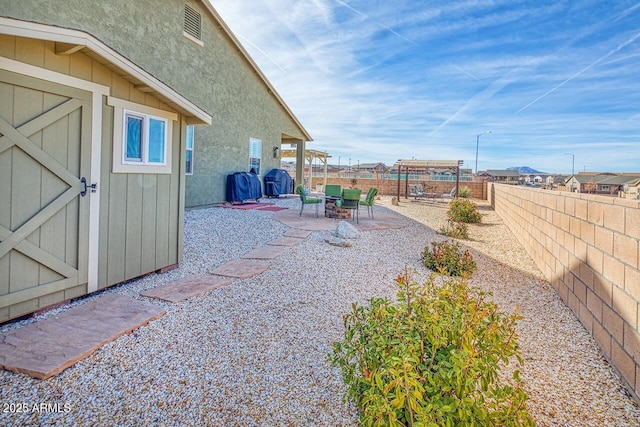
column 394, row 176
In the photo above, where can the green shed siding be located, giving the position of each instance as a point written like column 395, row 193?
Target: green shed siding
column 214, row 76
column 40, row 163
column 141, row 215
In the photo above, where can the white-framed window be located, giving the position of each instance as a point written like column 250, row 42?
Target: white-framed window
column 605, row 188
column 142, row 138
column 189, row 151
column 255, row 154
column 145, row 139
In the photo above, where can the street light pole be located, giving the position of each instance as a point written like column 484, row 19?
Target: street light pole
column 477, row 145
column 573, row 162
column 573, row 170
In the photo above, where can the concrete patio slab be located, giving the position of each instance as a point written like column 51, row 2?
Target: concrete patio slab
column 266, row 252
column 241, row 268
column 384, row 219
column 46, row 348
column 297, row 233
column 285, row 241
column 188, row 287
column 272, row 208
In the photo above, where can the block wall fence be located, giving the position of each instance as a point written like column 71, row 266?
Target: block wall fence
column 389, row 187
column 588, row 247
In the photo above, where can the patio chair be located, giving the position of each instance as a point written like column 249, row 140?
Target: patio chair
column 415, row 191
column 307, row 200
column 351, row 200
column 369, row 201
column 333, row 190
column 451, row 194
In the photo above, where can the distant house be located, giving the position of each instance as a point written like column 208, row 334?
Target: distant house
column 504, row 176
column 604, row 184
column 371, row 167
column 114, row 117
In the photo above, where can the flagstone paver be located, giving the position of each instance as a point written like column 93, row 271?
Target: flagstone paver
column 297, row 233
column 187, row 287
column 47, row 347
column 266, row 252
column 242, row 268
column 285, row 241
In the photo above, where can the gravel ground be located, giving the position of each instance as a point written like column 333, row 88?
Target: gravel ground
column 254, row 353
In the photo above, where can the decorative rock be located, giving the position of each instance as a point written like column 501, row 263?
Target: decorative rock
column 338, row 242
column 346, row 231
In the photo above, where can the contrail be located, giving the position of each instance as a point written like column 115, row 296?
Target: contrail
column 262, row 52
column 397, row 34
column 486, row 93
column 381, row 25
column 597, row 61
column 353, row 9
column 465, row 72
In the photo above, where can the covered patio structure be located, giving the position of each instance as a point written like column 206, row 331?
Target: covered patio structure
column 309, row 156
column 425, row 165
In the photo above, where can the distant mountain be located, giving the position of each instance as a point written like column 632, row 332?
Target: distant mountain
column 525, row 170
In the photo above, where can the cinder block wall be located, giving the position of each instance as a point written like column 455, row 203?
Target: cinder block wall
column 389, row 187
column 588, row 247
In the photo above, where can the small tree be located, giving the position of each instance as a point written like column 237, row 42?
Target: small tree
column 463, row 210
column 432, row 359
column 449, row 259
column 465, row 192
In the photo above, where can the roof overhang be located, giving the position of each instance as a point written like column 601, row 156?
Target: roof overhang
column 307, row 154
column 444, row 164
column 70, row 41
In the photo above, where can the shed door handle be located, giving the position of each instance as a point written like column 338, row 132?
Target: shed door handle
column 93, row 186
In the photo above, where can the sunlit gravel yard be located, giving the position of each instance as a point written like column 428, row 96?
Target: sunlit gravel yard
column 254, row 353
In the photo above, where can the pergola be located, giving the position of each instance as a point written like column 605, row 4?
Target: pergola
column 408, row 165
column 310, row 155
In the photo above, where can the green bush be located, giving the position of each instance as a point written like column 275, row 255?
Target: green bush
column 432, row 359
column 465, row 192
column 449, row 259
column 457, row 230
column 463, row 210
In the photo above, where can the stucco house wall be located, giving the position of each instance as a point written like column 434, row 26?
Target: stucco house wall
column 216, row 76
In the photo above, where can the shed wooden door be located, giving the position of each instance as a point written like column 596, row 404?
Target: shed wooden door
column 45, row 143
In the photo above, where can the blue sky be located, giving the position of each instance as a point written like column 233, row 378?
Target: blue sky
column 376, row 81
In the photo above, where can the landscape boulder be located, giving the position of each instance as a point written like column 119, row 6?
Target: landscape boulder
column 346, row 231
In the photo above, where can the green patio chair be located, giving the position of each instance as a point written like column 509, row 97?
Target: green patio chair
column 351, row 200
column 332, row 190
column 369, row 201
column 307, row 200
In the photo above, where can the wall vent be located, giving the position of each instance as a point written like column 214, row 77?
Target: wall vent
column 192, row 22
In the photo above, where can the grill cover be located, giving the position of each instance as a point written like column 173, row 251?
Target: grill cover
column 277, row 182
column 243, row 186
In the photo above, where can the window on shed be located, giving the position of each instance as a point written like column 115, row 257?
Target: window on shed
column 142, row 138
column 192, row 24
column 145, row 138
